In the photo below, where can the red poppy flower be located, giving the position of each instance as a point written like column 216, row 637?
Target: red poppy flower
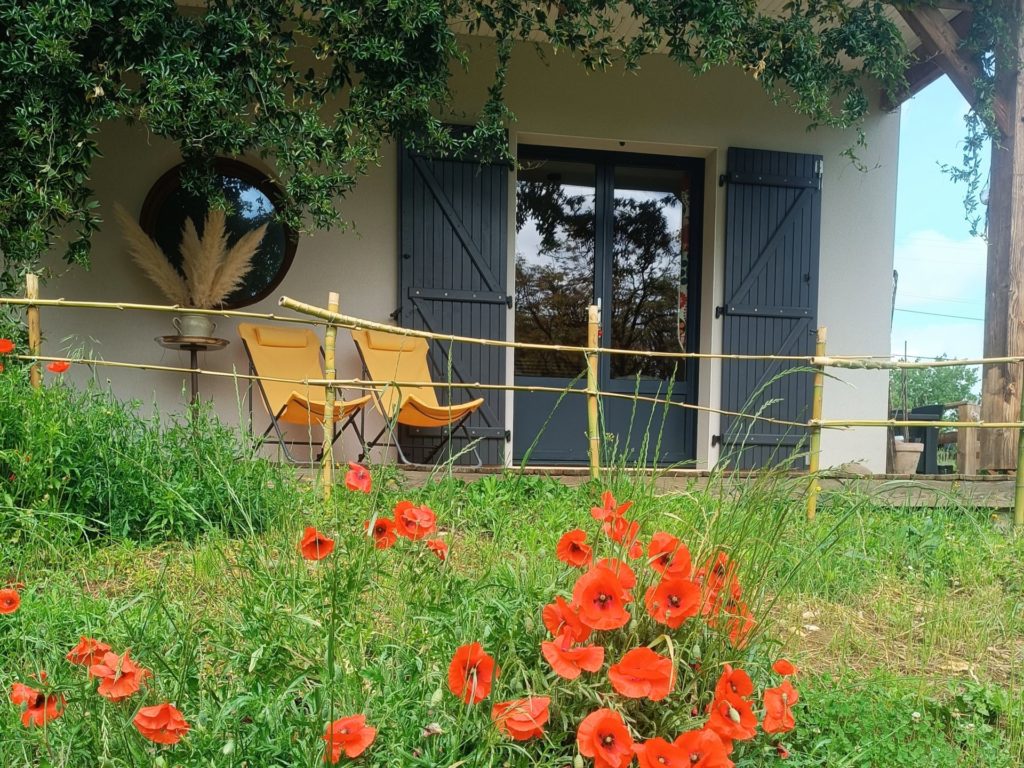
column 734, row 681
column 621, row 530
column 471, row 673
column 439, row 547
column 609, row 507
column 604, row 737
column 314, row 545
column 642, row 673
column 384, row 533
column 162, row 724
column 717, row 573
column 414, row 522
column 6, row 346
column 621, row 569
column 784, row 668
column 732, row 717
column 778, row 715
column 89, row 651
column 40, row 708
column 739, row 623
column 569, row 662
column 522, row 719
column 781, row 750
column 58, row 366
column 350, row 735
column 561, row 618
column 672, row 601
column 9, row 600
column 572, row 549
column 119, row 676
column 705, row 749
column 658, row 753
column 668, row 555
column 601, row 599
column 358, row 478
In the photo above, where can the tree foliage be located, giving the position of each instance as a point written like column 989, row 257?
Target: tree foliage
column 319, row 85
column 933, row 386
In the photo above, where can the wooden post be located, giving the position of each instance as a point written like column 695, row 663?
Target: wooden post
column 967, row 443
column 327, row 457
column 814, row 454
column 1004, row 280
column 1018, row 481
column 593, row 427
column 35, row 335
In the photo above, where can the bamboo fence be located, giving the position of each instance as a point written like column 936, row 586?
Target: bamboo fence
column 332, row 319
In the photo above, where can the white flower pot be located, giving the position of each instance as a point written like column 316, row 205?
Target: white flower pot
column 905, row 457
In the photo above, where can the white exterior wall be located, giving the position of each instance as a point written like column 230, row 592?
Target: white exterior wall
column 660, row 110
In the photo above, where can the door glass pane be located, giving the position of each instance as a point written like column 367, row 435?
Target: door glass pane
column 554, row 263
column 650, row 255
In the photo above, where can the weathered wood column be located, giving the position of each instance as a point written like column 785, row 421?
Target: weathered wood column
column 1004, row 288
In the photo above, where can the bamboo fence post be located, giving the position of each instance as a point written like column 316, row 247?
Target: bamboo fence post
column 1018, row 481
column 814, row 456
column 593, row 336
column 327, row 456
column 35, row 336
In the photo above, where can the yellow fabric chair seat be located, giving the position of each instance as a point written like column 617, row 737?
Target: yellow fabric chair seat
column 416, row 413
column 300, row 409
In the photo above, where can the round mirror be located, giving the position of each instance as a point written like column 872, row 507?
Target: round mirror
column 252, row 199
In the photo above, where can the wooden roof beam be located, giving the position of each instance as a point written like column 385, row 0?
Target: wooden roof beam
column 924, row 70
column 940, row 38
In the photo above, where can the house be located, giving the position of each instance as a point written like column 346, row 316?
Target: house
column 699, row 215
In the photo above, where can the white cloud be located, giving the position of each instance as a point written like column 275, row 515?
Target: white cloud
column 943, row 276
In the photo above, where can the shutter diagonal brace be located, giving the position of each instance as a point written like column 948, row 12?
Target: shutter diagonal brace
column 472, row 249
column 766, row 254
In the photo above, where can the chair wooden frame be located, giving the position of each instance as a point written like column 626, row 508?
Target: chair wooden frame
column 289, row 406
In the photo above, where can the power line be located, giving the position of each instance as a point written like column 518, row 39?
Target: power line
column 940, row 314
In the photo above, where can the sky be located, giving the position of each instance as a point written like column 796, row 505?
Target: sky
column 941, row 266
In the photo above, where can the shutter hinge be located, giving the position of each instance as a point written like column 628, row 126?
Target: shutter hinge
column 396, row 315
column 508, row 435
column 719, row 311
column 723, row 179
column 508, row 300
column 716, row 440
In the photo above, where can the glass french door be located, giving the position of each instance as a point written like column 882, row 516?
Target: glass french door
column 620, row 231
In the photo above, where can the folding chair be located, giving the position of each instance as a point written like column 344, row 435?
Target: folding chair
column 294, row 353
column 393, row 357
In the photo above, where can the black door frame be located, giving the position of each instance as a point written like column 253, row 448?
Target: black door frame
column 604, row 162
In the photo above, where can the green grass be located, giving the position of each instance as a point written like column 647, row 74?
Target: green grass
column 907, row 624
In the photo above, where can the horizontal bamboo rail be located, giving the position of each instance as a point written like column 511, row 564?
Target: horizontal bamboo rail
column 124, row 306
column 370, row 385
column 348, row 321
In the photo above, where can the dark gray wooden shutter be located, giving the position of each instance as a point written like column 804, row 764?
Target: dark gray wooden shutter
column 773, row 233
column 452, row 279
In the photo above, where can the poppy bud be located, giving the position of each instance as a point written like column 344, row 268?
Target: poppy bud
column 229, row 747
column 734, row 714
column 577, row 762
column 435, row 697
column 159, row 762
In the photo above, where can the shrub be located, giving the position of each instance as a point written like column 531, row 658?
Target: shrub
column 84, row 460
